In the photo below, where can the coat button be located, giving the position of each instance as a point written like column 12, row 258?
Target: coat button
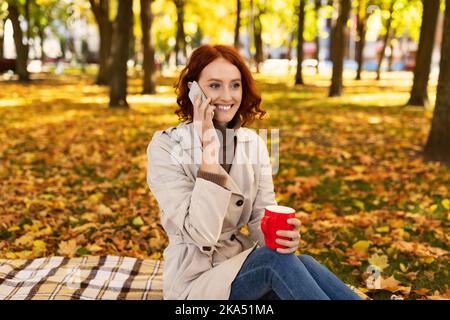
column 239, row 203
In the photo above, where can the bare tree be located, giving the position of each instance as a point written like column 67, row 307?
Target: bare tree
column 386, row 39
column 105, row 27
column 118, row 90
column 317, row 6
column 148, row 47
column 438, row 144
column 21, row 48
column 361, row 30
column 419, row 95
column 300, row 40
column 337, row 55
column 257, row 32
column 238, row 24
column 180, row 41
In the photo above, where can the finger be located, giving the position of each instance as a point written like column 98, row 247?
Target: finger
column 196, row 106
column 287, row 243
column 295, row 222
column 286, row 251
column 288, row 234
column 209, row 112
column 203, row 106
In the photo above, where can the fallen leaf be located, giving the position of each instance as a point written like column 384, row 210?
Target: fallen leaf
column 68, row 248
column 380, row 261
column 361, row 247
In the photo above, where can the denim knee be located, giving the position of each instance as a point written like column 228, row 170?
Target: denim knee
column 272, row 258
column 307, row 257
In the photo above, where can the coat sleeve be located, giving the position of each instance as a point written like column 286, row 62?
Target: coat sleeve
column 193, row 208
column 265, row 195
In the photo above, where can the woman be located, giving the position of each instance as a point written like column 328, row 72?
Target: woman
column 211, row 176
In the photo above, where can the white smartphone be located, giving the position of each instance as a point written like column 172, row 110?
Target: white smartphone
column 194, row 91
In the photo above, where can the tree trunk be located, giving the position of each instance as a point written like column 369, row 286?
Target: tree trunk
column 438, row 145
column 386, row 40
column 301, row 27
column 41, row 34
column 289, row 50
column 257, row 31
column 330, row 26
column 317, row 5
column 105, row 28
column 419, row 95
column 21, row 48
column 147, row 45
column 2, row 37
column 361, row 29
column 180, row 42
column 238, row 25
column 118, row 92
column 338, row 48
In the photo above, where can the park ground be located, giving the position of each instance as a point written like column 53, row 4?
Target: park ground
column 73, row 175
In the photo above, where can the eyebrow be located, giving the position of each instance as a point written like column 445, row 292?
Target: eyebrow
column 237, row 79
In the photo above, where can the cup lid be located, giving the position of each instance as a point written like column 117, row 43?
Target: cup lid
column 280, row 209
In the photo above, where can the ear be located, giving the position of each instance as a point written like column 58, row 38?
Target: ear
column 189, row 84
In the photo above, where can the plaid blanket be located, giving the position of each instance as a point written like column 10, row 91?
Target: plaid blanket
column 87, row 278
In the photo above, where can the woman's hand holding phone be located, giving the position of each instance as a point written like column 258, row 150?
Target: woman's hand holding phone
column 203, row 115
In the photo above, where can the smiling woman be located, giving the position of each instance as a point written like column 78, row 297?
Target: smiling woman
column 223, row 77
column 206, row 194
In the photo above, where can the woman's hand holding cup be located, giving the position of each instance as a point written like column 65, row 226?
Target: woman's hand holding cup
column 281, row 229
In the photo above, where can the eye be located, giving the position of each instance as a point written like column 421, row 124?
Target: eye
column 236, row 85
column 214, row 85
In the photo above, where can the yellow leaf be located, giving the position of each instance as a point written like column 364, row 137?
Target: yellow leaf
column 96, row 197
column 39, row 247
column 104, row 210
column 138, row 221
column 84, row 227
column 17, row 228
column 25, row 240
column 403, row 267
column 446, row 203
column 433, row 208
column 359, row 169
column 26, row 254
column 359, row 204
column 362, row 289
column 94, row 248
column 89, row 217
column 428, row 260
column 361, row 247
column 379, row 261
column 11, row 255
column 383, row 229
column 346, row 155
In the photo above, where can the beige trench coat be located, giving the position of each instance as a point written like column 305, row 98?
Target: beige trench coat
column 202, row 219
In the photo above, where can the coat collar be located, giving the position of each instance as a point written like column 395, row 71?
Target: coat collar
column 187, row 136
column 241, row 174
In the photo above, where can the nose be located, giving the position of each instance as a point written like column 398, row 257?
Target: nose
column 226, row 94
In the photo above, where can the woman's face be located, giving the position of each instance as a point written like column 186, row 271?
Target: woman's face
column 221, row 81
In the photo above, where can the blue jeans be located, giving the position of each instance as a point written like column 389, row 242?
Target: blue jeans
column 269, row 275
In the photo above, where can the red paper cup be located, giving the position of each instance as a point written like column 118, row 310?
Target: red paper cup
column 275, row 218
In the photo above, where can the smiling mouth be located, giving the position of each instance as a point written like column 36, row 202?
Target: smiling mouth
column 223, row 107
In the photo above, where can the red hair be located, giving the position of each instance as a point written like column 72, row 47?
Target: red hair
column 199, row 59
